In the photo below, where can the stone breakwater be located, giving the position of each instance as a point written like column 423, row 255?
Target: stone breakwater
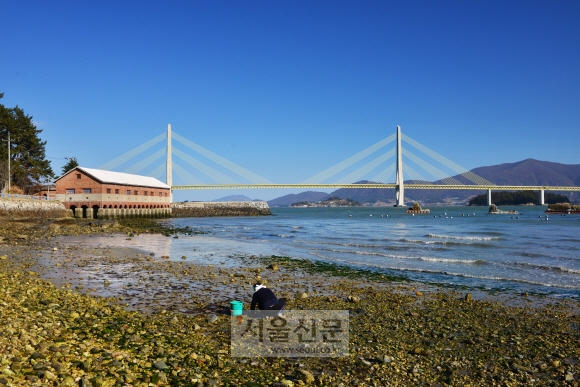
column 23, row 208
column 209, row 209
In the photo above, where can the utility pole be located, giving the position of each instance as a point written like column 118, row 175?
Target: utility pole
column 8, row 163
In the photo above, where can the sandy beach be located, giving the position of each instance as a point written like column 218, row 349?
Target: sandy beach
column 102, row 304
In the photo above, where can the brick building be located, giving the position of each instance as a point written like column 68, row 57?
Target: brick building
column 92, row 193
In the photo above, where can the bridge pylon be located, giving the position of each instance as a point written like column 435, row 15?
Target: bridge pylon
column 168, row 163
column 400, row 190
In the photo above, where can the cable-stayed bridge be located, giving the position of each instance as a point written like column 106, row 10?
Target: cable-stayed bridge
column 198, row 168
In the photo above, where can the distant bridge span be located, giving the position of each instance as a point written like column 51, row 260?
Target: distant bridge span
column 383, row 186
column 489, row 188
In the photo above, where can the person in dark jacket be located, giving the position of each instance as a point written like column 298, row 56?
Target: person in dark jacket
column 265, row 299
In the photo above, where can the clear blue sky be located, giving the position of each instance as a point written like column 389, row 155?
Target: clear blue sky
column 287, row 89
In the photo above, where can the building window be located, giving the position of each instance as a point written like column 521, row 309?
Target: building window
column 70, row 190
column 87, row 190
column 145, row 193
column 108, row 190
column 128, row 192
column 116, row 191
column 160, row 194
column 78, row 175
column 135, row 192
column 165, row 194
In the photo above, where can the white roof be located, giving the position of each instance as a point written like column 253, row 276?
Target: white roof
column 123, row 178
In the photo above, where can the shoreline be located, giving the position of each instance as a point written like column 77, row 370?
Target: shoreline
column 431, row 335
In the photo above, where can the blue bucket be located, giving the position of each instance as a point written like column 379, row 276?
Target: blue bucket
column 237, row 308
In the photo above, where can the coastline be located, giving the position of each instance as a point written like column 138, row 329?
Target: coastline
column 402, row 333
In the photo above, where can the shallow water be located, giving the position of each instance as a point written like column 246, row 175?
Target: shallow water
column 452, row 245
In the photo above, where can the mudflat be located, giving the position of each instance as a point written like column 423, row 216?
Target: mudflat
column 79, row 311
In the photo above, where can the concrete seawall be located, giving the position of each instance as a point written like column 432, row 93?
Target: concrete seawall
column 23, row 208
column 209, row 209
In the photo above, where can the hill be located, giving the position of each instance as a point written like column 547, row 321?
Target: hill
column 287, row 200
column 526, row 172
column 531, row 172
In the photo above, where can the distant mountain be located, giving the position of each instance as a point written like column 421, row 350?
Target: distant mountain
column 287, row 200
column 235, row 198
column 526, row 172
column 531, row 172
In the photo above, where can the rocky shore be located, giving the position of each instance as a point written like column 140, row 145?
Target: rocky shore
column 209, row 209
column 86, row 313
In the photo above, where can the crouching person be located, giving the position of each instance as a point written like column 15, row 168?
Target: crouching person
column 265, row 299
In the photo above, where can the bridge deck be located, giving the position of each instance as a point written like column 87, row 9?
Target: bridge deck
column 407, row 186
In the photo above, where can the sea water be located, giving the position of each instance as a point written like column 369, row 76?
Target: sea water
column 452, row 245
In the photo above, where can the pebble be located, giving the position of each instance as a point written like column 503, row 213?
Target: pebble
column 160, row 365
column 305, row 376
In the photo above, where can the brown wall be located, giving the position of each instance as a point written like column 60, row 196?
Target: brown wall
column 86, row 181
column 99, row 196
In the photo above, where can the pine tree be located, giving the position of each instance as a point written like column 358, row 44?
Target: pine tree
column 27, row 153
column 71, row 164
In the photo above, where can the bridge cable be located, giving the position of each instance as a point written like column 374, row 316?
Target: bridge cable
column 254, row 178
column 326, row 174
column 437, row 173
column 138, row 167
column 186, row 176
column 158, row 172
column 203, row 168
column 410, row 172
column 132, row 153
column 360, row 172
column 478, row 180
column 385, row 174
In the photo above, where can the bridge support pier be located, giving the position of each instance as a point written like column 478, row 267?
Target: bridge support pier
column 400, row 193
column 542, row 202
column 489, row 197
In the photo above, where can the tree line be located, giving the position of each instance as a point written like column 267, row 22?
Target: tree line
column 514, row 198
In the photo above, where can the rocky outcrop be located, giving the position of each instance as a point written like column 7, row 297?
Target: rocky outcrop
column 209, row 209
column 25, row 208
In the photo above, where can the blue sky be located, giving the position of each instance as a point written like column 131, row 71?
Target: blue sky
column 287, row 89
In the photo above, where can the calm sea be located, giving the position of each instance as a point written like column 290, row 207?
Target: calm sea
column 452, row 245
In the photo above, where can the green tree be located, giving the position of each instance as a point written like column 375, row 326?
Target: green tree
column 28, row 164
column 71, row 164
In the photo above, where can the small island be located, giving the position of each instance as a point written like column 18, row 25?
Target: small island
column 334, row 201
column 416, row 209
column 494, row 210
column 563, row 208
